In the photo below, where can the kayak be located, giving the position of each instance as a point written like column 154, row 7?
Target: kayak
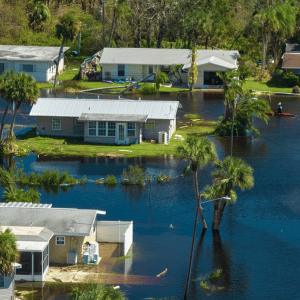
column 276, row 114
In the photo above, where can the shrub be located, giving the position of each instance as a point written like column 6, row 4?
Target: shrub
column 135, row 175
column 147, row 89
column 278, row 79
column 290, row 80
column 83, row 180
column 263, row 76
column 110, row 180
column 296, row 89
column 163, row 177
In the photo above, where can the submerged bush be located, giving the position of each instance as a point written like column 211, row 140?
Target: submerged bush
column 110, row 180
column 162, row 177
column 135, row 175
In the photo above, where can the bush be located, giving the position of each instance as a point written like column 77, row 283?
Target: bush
column 135, row 175
column 110, row 180
column 160, row 78
column 296, row 89
column 290, row 80
column 147, row 89
column 263, row 76
column 278, row 79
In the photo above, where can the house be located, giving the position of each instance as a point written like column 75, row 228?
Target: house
column 291, row 59
column 40, row 62
column 7, row 285
column 105, row 121
column 138, row 63
column 47, row 235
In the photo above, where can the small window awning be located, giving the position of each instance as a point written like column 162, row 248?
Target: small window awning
column 113, row 117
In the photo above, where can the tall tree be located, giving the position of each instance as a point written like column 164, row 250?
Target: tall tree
column 8, row 252
column 7, row 93
column 199, row 152
column 25, row 91
column 231, row 172
column 67, row 28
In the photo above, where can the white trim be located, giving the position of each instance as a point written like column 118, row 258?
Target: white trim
column 64, row 240
column 56, row 129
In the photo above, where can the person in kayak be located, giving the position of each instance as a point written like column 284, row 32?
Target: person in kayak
column 279, row 108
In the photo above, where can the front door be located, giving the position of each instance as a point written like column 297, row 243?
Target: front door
column 121, row 133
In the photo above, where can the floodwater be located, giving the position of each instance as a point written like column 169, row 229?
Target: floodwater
column 258, row 248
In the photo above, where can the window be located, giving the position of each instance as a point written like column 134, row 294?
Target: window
column 92, row 128
column 121, row 70
column 1, row 281
column 150, row 70
column 56, row 124
column 111, row 129
column 150, row 125
column 28, row 68
column 60, row 241
column 102, row 128
column 1, row 68
column 130, row 129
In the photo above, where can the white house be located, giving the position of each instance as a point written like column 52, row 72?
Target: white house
column 40, row 62
column 105, row 121
column 138, row 63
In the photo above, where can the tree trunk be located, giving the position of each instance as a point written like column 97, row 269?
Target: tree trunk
column 11, row 132
column 112, row 25
column 266, row 37
column 215, row 215
column 3, row 121
column 195, row 181
column 220, row 214
column 160, row 34
column 57, row 65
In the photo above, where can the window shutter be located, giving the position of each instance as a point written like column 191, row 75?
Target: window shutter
column 116, row 70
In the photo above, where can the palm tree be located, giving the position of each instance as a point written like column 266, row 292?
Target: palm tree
column 6, row 91
column 194, row 69
column 24, row 91
column 8, row 252
column 231, row 172
column 199, row 151
column 67, row 28
column 231, row 90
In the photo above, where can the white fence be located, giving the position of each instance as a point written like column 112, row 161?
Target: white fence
column 115, row 232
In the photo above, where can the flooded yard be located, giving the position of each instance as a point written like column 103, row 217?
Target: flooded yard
column 258, row 248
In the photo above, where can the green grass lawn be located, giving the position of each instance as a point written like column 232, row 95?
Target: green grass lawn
column 67, row 146
column 264, row 86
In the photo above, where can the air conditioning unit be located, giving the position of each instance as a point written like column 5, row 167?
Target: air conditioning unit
column 163, row 137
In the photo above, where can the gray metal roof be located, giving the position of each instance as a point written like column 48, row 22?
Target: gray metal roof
column 29, row 53
column 292, row 47
column 66, row 107
column 113, row 118
column 62, row 221
column 213, row 60
column 164, row 57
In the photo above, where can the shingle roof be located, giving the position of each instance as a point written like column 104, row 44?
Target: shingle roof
column 291, row 61
column 66, row 107
column 64, row 221
column 30, row 53
column 292, row 48
column 153, row 56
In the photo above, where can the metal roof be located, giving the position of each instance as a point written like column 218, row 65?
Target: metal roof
column 62, row 221
column 164, row 57
column 30, row 238
column 66, row 107
column 29, row 53
column 292, row 48
column 25, row 205
column 113, row 117
column 213, row 60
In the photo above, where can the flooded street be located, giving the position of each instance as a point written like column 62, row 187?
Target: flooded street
column 258, row 248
